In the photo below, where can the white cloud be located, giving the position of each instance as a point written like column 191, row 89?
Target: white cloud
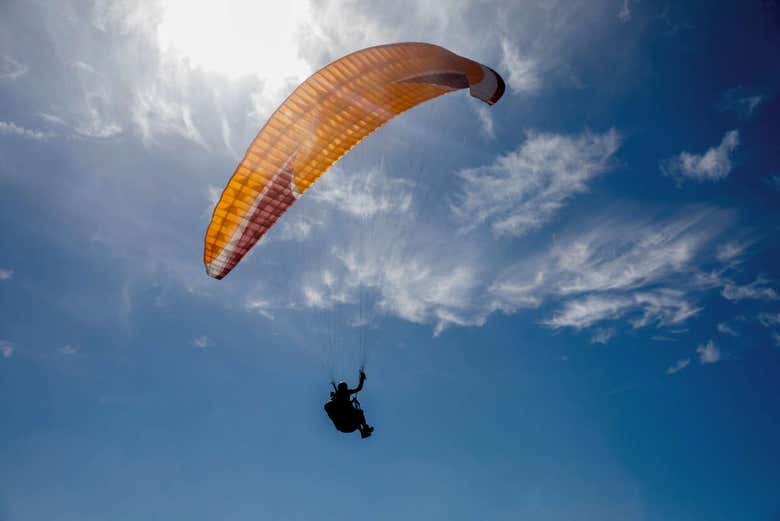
column 739, row 101
column 155, row 114
column 6, row 348
column 602, row 336
column 522, row 74
column 6, row 274
column 261, row 307
column 485, row 121
column 726, row 329
column 587, row 311
column 678, row 366
column 11, row 128
column 617, row 268
column 708, row 353
column 756, row 290
column 96, row 111
column 69, row 350
column 713, row 165
column 624, row 255
column 11, row 69
column 202, row 342
column 731, row 251
column 769, row 319
column 298, row 230
column 525, row 188
column 624, row 15
column 662, row 307
column 364, row 193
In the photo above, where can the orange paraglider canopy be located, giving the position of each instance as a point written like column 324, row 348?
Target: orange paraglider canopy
column 325, row 117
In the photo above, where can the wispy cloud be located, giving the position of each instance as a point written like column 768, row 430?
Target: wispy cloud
column 624, row 15
column 733, row 252
column 522, row 74
column 6, row 348
column 525, row 188
column 663, row 307
column 602, row 336
column 741, row 102
column 708, row 353
column 11, row 128
column 11, row 69
column 261, row 306
column 297, row 230
column 155, row 115
column 485, row 121
column 678, row 366
column 769, row 319
column 776, row 338
column 757, row 290
column 6, row 274
column 202, row 342
column 364, row 194
column 587, row 311
column 726, row 329
column 69, row 350
column 713, row 165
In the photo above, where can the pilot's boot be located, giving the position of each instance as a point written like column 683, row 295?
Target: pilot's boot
column 366, row 431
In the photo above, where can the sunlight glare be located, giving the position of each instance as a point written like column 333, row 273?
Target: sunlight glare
column 237, row 37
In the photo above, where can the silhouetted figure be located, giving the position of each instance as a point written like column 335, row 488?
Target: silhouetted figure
column 345, row 411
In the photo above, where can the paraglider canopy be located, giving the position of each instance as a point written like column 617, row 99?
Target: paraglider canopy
column 325, row 117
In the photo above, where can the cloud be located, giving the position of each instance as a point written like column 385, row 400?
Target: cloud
column 731, row 252
column 624, row 254
column 155, row 114
column 6, row 274
column 769, row 319
column 756, row 290
column 661, row 307
column 678, row 366
column 708, row 353
column 525, row 188
column 726, row 329
column 6, row 348
column 522, row 75
column 664, row 307
column 11, row 128
column 92, row 112
column 298, row 230
column 624, row 15
column 602, row 336
column 776, row 338
column 713, row 165
column 364, row 194
column 261, row 306
column 11, row 70
column 600, row 269
column 774, row 182
column 485, row 121
column 69, row 350
column 202, row 342
column 740, row 102
column 587, row 311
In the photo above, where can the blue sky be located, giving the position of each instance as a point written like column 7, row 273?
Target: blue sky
column 568, row 303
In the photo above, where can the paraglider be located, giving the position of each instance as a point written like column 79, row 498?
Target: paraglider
column 324, row 118
column 345, row 411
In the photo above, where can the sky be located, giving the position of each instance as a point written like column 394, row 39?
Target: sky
column 567, row 304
